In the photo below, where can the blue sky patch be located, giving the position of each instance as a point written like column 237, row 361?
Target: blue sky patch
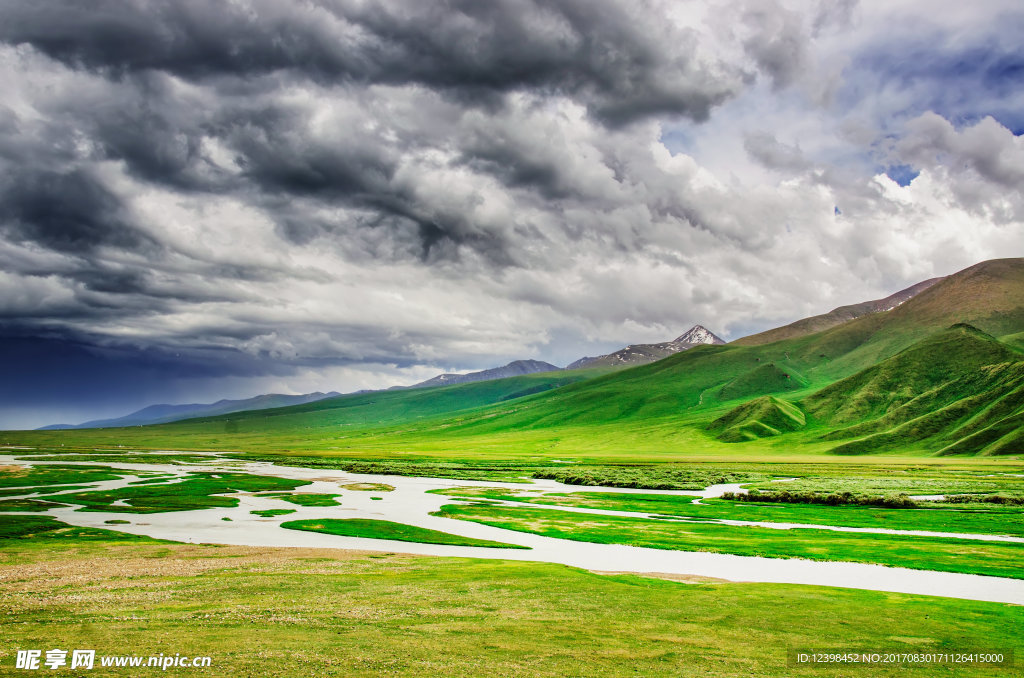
column 902, row 174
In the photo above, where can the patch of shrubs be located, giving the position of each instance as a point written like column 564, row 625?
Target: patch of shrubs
column 987, row 499
column 831, row 499
column 646, row 478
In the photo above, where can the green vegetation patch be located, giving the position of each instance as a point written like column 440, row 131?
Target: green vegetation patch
column 878, row 481
column 385, row 529
column 931, row 517
column 983, row 499
column 937, row 517
column 195, row 492
column 270, row 513
column 611, row 501
column 46, row 529
column 923, row 553
column 41, row 490
column 901, row 500
column 28, row 505
column 150, row 481
column 21, row 476
column 945, row 356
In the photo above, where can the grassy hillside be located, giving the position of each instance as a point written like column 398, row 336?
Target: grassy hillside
column 761, row 418
column 329, row 419
column 837, row 316
column 959, row 390
column 979, row 413
column 874, row 391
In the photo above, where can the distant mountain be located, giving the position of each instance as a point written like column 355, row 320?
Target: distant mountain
column 836, row 316
column 163, row 414
column 516, row 368
column 639, row 354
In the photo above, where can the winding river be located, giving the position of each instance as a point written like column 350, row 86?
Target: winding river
column 410, row 503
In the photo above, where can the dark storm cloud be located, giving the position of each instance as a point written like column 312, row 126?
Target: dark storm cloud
column 622, row 62
column 516, row 166
column 65, row 211
column 60, row 371
column 259, row 187
column 625, row 63
column 278, row 152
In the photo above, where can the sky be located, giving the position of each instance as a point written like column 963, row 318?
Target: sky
column 203, row 200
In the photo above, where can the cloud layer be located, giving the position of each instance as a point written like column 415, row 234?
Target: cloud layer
column 246, row 196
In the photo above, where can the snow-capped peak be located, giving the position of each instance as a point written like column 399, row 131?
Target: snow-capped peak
column 698, row 334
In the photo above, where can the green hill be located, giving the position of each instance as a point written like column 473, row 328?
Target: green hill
column 874, row 391
column 767, row 378
column 764, row 417
column 979, row 413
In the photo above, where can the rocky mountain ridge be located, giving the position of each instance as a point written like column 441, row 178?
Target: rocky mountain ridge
column 640, row 354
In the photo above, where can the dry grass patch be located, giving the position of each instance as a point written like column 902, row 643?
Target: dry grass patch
column 670, row 576
column 369, row 487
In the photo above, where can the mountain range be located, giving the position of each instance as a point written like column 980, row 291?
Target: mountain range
column 640, row 354
column 515, row 368
column 836, row 316
column 938, row 372
column 162, row 414
column 631, row 355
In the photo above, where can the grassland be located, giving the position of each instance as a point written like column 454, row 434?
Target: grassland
column 369, row 487
column 923, row 553
column 385, row 529
column 283, row 612
column 54, row 476
column 27, row 505
column 953, row 518
column 39, row 532
column 198, row 491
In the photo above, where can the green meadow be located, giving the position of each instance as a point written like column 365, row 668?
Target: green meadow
column 284, row 612
column 384, row 529
column 197, row 491
column 939, row 518
column 995, row 559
